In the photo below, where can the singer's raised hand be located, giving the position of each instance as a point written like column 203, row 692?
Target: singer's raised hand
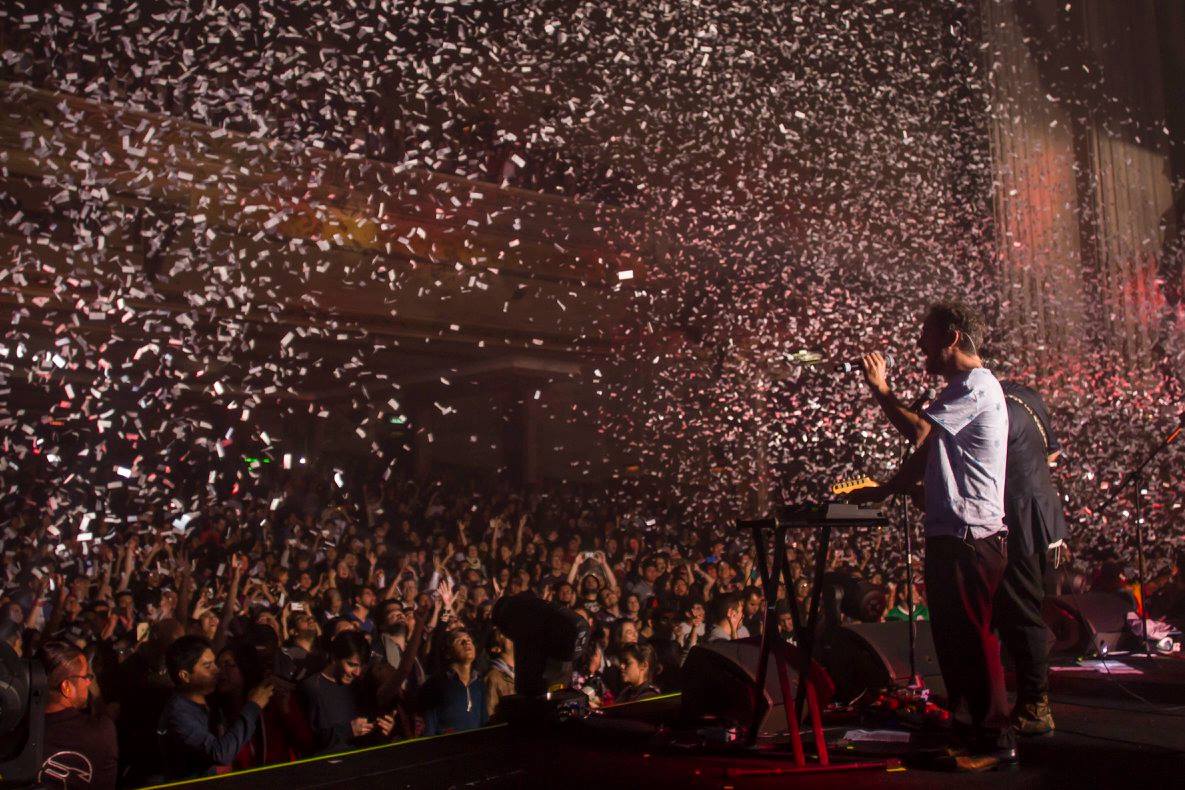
column 875, row 370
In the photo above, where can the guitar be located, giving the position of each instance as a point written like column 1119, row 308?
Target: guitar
column 850, row 484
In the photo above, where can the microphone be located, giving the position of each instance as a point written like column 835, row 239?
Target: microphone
column 851, row 365
column 812, row 359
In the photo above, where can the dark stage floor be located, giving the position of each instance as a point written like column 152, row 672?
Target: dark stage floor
column 1105, row 739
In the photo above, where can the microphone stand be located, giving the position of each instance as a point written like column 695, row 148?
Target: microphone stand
column 1136, row 478
column 913, row 671
column 906, row 449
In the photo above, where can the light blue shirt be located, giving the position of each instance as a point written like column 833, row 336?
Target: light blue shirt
column 965, row 470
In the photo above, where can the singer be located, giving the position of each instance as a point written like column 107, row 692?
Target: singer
column 961, row 443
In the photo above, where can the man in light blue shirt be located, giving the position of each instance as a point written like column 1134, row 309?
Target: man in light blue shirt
column 964, row 481
column 962, row 443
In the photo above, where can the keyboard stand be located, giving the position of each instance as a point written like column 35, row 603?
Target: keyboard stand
column 786, row 657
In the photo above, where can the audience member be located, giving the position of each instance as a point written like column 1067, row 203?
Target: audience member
column 331, row 696
column 188, row 739
column 454, row 699
column 80, row 748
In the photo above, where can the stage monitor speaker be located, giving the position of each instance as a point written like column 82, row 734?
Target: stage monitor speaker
column 1087, row 623
column 863, row 657
column 22, row 718
column 718, row 680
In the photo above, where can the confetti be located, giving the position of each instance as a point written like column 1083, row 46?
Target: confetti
column 812, row 178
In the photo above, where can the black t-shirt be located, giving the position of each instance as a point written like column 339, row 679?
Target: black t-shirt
column 142, row 685
column 80, row 751
column 330, row 707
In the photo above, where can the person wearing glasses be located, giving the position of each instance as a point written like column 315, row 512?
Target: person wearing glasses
column 80, row 749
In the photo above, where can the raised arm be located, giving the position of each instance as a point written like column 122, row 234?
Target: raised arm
column 709, row 583
column 890, row 600
column 908, row 423
column 391, row 688
column 59, row 607
column 518, row 535
column 103, row 591
column 610, row 579
column 153, row 550
column 392, row 590
column 42, row 586
column 129, row 561
column 232, row 601
column 183, row 572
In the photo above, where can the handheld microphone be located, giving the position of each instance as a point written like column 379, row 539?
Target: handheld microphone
column 811, row 359
column 850, row 365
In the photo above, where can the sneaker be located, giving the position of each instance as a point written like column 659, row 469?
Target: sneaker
column 1033, row 718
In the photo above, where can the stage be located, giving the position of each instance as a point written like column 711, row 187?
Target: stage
column 1106, row 738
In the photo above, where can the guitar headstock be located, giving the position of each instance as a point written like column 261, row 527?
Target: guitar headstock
column 851, row 484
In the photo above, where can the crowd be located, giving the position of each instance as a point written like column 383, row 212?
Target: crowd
column 301, row 621
column 273, row 627
column 290, row 619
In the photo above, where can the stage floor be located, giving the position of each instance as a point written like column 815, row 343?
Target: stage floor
column 1100, row 743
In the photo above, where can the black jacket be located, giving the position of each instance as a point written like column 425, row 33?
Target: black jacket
column 1032, row 505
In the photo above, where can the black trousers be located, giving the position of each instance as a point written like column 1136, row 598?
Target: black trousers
column 962, row 577
column 1021, row 626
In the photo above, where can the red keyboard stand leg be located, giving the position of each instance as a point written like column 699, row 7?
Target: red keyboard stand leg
column 780, row 658
column 812, row 704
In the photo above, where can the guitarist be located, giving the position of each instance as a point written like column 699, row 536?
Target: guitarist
column 1036, row 521
column 961, row 441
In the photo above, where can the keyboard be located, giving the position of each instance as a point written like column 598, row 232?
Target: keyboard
column 835, row 514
